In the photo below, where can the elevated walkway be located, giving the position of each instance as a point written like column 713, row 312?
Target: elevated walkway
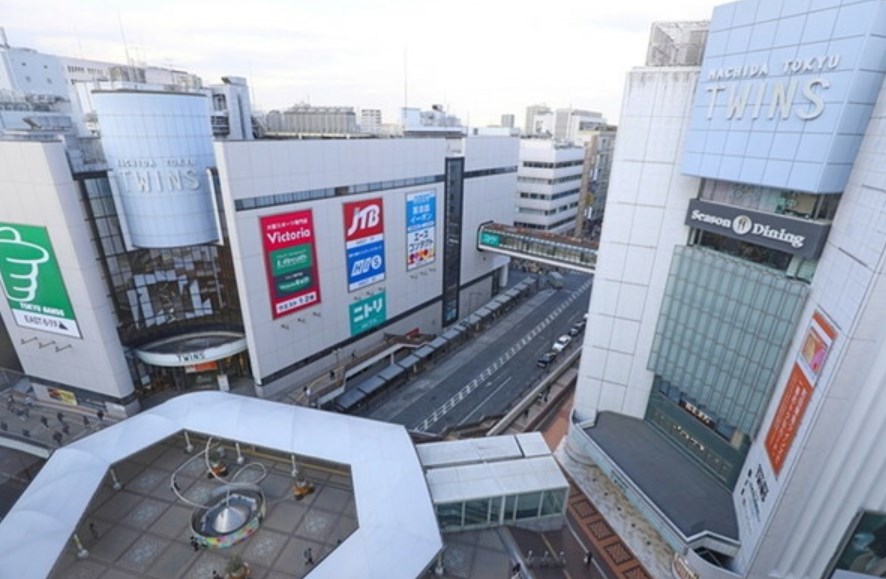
column 543, row 247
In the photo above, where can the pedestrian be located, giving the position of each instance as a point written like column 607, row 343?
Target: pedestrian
column 66, row 429
column 85, row 421
column 93, row 531
column 44, row 421
column 194, row 545
column 588, row 558
column 60, row 416
column 332, row 374
column 29, row 402
column 307, row 392
column 215, row 574
column 353, row 355
column 57, row 437
column 309, row 556
column 101, row 415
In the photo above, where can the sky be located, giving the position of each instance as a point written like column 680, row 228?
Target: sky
column 479, row 58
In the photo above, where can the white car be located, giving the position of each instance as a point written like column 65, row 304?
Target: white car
column 561, row 343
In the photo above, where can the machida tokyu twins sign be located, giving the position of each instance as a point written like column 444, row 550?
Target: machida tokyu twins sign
column 785, row 93
column 32, row 281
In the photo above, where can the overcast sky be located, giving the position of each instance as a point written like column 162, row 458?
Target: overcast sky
column 481, row 58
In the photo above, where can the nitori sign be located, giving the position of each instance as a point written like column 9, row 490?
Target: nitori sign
column 32, row 281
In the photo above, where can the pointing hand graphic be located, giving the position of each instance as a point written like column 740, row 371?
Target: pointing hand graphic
column 20, row 265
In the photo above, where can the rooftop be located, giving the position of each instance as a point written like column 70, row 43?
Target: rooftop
column 143, row 528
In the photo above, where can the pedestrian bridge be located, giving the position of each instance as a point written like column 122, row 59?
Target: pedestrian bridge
column 543, row 247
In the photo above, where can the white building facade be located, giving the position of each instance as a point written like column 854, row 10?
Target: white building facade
column 147, row 242
column 737, row 318
column 548, row 185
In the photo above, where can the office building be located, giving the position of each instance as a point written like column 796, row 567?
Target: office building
column 310, row 121
column 370, row 121
column 732, row 382
column 548, row 185
column 508, row 121
column 150, row 244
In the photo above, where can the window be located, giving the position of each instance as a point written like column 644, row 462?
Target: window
column 528, row 505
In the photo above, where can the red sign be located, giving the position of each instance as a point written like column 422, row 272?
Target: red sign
column 291, row 261
column 787, row 419
column 363, row 219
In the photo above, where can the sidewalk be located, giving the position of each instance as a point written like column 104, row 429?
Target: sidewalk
column 587, row 528
column 45, row 424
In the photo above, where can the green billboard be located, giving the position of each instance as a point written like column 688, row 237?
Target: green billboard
column 32, row 281
column 490, row 239
column 367, row 313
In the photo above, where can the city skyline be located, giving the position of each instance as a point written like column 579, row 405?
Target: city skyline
column 480, row 61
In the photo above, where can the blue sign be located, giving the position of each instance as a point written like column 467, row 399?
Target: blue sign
column 366, row 264
column 421, row 210
column 421, row 232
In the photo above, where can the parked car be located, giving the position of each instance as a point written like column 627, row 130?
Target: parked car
column 577, row 328
column 561, row 343
column 546, row 359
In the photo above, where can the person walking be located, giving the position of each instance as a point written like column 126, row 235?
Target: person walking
column 309, row 556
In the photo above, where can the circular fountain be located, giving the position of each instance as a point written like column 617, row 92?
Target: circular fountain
column 233, row 513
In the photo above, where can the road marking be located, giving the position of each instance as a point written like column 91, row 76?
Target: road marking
column 492, row 368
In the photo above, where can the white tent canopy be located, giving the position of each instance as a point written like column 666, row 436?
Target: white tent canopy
column 397, row 534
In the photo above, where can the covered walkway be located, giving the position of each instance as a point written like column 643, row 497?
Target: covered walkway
column 540, row 246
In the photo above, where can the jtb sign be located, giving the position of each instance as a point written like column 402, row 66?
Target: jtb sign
column 364, row 242
column 291, row 261
column 33, row 282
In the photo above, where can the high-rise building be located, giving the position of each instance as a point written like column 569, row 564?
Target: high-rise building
column 539, row 121
column 370, row 121
column 548, row 185
column 148, row 242
column 732, row 383
column 576, row 125
column 508, row 121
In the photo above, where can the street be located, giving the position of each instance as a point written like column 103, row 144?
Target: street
column 484, row 376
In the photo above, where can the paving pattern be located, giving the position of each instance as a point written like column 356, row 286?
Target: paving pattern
column 143, row 531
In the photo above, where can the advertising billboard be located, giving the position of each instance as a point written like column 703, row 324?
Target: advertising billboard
column 32, row 281
column 785, row 93
column 291, row 261
column 798, row 392
column 159, row 147
column 421, row 221
column 367, row 313
column 364, row 242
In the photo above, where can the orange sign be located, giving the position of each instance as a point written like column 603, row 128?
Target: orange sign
column 787, row 418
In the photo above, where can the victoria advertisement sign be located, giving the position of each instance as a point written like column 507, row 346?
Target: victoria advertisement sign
column 291, row 261
column 364, row 242
column 32, row 281
column 421, row 211
column 801, row 237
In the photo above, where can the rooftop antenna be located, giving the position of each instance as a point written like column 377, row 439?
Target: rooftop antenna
column 3, row 42
column 123, row 36
column 405, row 78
